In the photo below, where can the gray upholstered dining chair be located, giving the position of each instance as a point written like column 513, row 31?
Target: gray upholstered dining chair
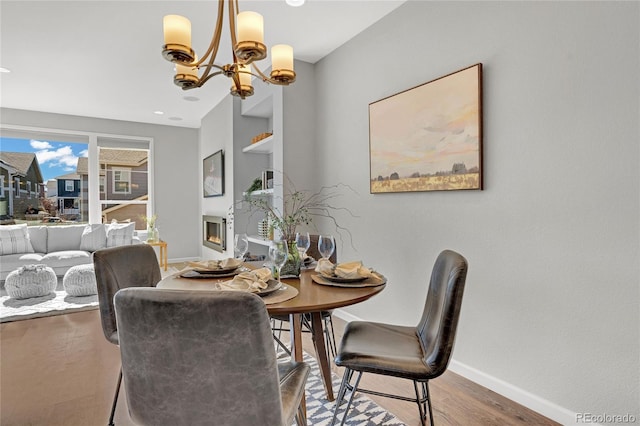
column 419, row 353
column 327, row 316
column 116, row 268
column 204, row 358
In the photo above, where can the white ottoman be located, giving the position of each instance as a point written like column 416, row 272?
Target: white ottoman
column 31, row 281
column 80, row 280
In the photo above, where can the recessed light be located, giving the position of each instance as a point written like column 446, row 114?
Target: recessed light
column 158, row 112
column 175, row 118
column 191, row 98
column 295, row 3
column 4, row 70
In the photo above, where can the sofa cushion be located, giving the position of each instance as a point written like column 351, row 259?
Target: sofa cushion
column 66, row 237
column 120, row 234
column 15, row 239
column 66, row 258
column 94, row 237
column 38, row 237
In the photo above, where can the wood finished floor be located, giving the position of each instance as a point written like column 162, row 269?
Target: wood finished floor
column 60, row 370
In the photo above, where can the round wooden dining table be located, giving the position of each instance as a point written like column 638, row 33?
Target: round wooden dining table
column 312, row 298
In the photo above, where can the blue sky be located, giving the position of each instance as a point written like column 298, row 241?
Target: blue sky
column 55, row 158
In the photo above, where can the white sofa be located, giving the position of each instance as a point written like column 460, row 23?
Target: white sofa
column 59, row 247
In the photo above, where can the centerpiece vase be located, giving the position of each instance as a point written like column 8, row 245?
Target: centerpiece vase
column 152, row 234
column 294, row 262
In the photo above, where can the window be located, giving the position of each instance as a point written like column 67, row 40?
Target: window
column 1, row 186
column 28, row 189
column 102, row 184
column 121, row 180
column 16, row 181
column 68, row 185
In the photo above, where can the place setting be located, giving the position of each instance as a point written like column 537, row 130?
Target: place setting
column 347, row 274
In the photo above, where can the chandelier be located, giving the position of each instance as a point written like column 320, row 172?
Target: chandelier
column 247, row 46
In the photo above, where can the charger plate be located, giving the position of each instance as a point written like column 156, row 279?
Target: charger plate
column 197, row 273
column 373, row 281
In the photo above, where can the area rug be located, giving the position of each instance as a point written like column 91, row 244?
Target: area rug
column 57, row 303
column 363, row 411
column 52, row 304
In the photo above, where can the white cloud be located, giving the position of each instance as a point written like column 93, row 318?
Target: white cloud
column 62, row 156
column 42, row 145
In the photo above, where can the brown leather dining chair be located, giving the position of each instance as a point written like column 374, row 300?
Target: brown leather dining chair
column 327, row 316
column 419, row 353
column 204, row 358
column 116, row 268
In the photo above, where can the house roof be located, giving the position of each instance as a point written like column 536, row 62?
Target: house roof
column 73, row 176
column 22, row 162
column 120, row 157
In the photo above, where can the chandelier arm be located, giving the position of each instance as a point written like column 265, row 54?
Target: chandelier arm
column 233, row 13
column 204, row 79
column 261, row 74
column 213, row 47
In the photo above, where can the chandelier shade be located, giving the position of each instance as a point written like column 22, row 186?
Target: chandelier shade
column 247, row 46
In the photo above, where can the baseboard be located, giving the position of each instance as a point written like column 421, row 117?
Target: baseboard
column 514, row 393
column 183, row 259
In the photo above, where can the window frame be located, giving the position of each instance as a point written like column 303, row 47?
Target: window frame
column 114, row 181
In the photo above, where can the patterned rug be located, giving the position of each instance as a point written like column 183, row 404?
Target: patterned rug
column 363, row 411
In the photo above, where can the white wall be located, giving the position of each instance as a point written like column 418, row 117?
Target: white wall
column 175, row 153
column 551, row 305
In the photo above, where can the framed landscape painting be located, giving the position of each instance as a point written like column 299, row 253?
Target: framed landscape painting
column 213, row 175
column 428, row 138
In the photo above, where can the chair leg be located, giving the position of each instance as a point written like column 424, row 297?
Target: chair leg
column 348, row 373
column 301, row 417
column 331, row 338
column 115, row 399
column 426, row 388
column 424, row 402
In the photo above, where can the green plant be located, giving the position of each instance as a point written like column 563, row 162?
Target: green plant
column 301, row 207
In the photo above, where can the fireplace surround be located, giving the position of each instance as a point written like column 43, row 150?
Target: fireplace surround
column 214, row 235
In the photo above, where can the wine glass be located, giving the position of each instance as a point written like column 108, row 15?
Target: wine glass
column 278, row 253
column 326, row 246
column 241, row 246
column 303, row 243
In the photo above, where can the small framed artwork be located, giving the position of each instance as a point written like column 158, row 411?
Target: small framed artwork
column 428, row 138
column 213, row 175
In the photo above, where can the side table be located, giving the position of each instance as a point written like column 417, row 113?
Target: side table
column 163, row 251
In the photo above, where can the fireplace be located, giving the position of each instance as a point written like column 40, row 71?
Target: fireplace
column 214, row 233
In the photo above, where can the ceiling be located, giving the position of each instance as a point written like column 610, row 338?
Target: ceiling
column 103, row 58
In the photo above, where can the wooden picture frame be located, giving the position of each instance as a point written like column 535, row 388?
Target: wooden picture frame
column 213, row 175
column 428, row 138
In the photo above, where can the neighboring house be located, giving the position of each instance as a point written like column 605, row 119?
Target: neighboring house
column 68, row 197
column 21, row 183
column 123, row 177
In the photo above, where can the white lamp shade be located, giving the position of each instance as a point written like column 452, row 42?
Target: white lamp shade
column 177, row 30
column 186, row 69
column 250, row 27
column 282, row 57
column 245, row 77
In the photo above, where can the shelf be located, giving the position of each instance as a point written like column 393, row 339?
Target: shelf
column 258, row 240
column 259, row 192
column 265, row 146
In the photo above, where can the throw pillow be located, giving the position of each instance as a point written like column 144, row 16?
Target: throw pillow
column 14, row 239
column 120, row 234
column 94, row 237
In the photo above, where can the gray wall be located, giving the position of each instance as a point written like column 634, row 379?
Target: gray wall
column 551, row 305
column 175, row 153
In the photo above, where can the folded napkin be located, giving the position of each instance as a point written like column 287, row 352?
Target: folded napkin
column 212, row 265
column 353, row 269
column 251, row 281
